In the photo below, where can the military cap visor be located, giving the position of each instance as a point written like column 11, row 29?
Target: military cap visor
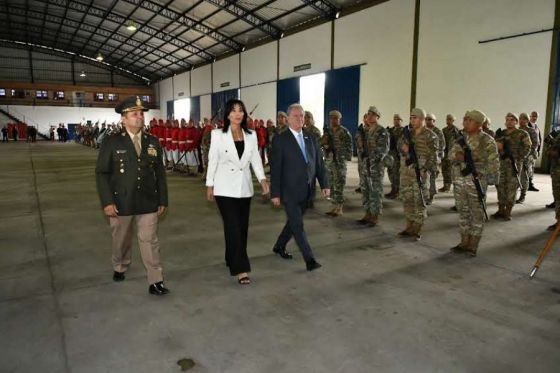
column 131, row 103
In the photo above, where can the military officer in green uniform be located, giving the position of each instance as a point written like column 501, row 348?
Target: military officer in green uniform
column 133, row 190
column 337, row 146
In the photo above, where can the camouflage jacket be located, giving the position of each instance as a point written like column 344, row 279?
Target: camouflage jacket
column 485, row 156
column 395, row 134
column 313, row 132
column 534, row 136
column 449, row 134
column 341, row 143
column 489, row 132
column 426, row 146
column 441, row 141
column 361, row 138
column 517, row 140
column 377, row 143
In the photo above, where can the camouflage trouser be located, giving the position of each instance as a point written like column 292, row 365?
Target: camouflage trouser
column 372, row 187
column 360, row 171
column 433, row 176
column 409, row 194
column 555, row 175
column 471, row 216
column 394, row 172
column 205, row 152
column 507, row 187
column 337, row 178
column 527, row 172
column 446, row 171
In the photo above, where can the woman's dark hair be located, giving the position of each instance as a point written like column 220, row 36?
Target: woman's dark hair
column 229, row 108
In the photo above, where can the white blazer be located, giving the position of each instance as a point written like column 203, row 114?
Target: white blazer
column 229, row 175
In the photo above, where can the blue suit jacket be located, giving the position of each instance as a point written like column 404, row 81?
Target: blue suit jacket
column 290, row 176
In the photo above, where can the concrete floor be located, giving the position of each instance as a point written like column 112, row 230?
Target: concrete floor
column 379, row 304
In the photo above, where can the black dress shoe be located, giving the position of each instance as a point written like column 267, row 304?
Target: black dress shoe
column 312, row 265
column 158, row 289
column 118, row 276
column 282, row 253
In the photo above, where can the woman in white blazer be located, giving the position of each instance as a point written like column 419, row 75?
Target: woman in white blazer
column 233, row 151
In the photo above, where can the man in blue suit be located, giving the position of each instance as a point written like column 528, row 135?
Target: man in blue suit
column 297, row 162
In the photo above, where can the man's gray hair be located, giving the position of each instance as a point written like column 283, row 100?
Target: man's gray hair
column 295, row 106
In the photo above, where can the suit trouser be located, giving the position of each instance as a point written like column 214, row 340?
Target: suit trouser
column 235, row 216
column 146, row 226
column 294, row 227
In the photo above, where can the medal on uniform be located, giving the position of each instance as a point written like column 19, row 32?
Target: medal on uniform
column 152, row 151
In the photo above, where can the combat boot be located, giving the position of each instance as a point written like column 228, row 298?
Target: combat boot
column 408, row 230
column 373, row 220
column 500, row 213
column 365, row 219
column 445, row 188
column 417, row 231
column 507, row 212
column 532, row 186
column 337, row 211
column 473, row 245
column 521, row 198
column 332, row 212
column 463, row 244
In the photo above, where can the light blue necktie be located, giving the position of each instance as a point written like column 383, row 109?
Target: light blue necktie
column 302, row 146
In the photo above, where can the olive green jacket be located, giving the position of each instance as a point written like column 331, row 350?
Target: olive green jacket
column 136, row 185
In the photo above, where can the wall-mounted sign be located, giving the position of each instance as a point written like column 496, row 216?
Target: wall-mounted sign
column 181, row 94
column 225, row 84
column 305, row 66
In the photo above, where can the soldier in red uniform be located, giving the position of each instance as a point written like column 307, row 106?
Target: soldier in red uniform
column 261, row 138
column 192, row 139
column 169, row 144
column 161, row 134
column 183, row 145
column 175, row 143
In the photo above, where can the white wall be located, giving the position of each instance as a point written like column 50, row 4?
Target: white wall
column 165, row 94
column 456, row 73
column 226, row 70
column 205, row 106
column 265, row 96
column 45, row 116
column 201, row 81
column 181, row 86
column 259, row 65
column 310, row 46
column 381, row 37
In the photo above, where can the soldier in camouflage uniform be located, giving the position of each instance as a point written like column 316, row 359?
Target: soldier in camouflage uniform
column 337, row 147
column 529, row 161
column 553, row 146
column 519, row 145
column 281, row 126
column 360, row 141
column 487, row 163
column 309, row 126
column 393, row 171
column 431, row 125
column 450, row 132
column 376, row 146
column 426, row 146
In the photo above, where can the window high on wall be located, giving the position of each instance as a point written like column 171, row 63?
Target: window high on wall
column 312, row 97
column 182, row 109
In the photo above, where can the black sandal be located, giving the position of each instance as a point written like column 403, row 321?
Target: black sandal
column 244, row 280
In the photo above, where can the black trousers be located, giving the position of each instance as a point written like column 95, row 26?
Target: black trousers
column 294, row 227
column 235, row 216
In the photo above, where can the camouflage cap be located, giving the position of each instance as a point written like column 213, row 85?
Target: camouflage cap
column 282, row 114
column 397, row 116
column 374, row 110
column 335, row 113
column 450, row 116
column 524, row 116
column 417, row 112
column 131, row 103
column 488, row 121
column 513, row 115
column 477, row 116
column 431, row 116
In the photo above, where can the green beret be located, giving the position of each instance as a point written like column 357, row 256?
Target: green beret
column 131, row 103
column 477, row 116
column 335, row 113
column 374, row 110
column 417, row 112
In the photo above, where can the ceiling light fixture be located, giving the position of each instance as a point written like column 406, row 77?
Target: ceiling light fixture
column 99, row 57
column 337, row 15
column 83, row 74
column 131, row 26
column 281, row 35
